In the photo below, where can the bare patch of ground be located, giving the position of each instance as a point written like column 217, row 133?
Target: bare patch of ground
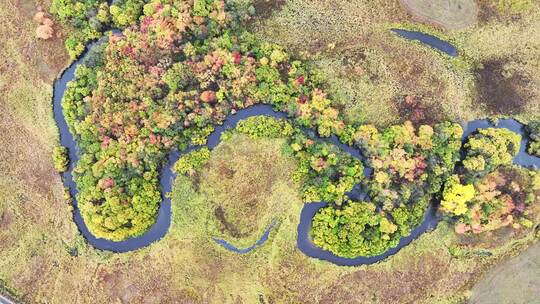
column 47, row 56
column 501, row 91
column 514, row 281
column 487, row 11
column 28, row 160
column 6, row 219
column 373, row 79
column 408, row 285
column 307, row 25
column 450, row 14
column 225, row 225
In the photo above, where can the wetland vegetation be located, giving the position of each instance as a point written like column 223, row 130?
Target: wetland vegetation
column 178, row 69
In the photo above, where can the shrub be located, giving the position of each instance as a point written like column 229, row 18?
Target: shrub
column 533, row 130
column 191, row 161
column 74, row 46
column 264, row 126
column 60, row 158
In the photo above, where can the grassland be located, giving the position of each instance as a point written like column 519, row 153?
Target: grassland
column 45, row 260
column 371, row 71
column 246, row 185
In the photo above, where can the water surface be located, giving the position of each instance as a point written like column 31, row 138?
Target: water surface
column 430, row 40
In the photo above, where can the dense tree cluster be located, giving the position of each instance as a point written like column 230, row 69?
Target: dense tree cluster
column 410, row 166
column 357, row 229
column 87, row 18
column 166, row 83
column 503, row 197
column 489, row 149
column 326, row 172
column 488, row 193
column 179, row 68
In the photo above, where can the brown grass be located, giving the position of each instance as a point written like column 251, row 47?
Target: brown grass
column 500, row 91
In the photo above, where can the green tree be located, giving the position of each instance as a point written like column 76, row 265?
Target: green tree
column 355, row 230
column 488, row 149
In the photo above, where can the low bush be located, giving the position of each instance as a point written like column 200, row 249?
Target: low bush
column 533, row 130
column 191, row 161
column 60, row 158
column 265, row 126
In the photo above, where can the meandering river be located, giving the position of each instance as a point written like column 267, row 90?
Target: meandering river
column 304, row 243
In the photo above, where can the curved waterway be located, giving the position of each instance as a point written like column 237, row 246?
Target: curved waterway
column 167, row 176
column 430, row 221
column 259, row 243
column 163, row 220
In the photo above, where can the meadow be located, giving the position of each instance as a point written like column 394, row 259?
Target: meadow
column 374, row 76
